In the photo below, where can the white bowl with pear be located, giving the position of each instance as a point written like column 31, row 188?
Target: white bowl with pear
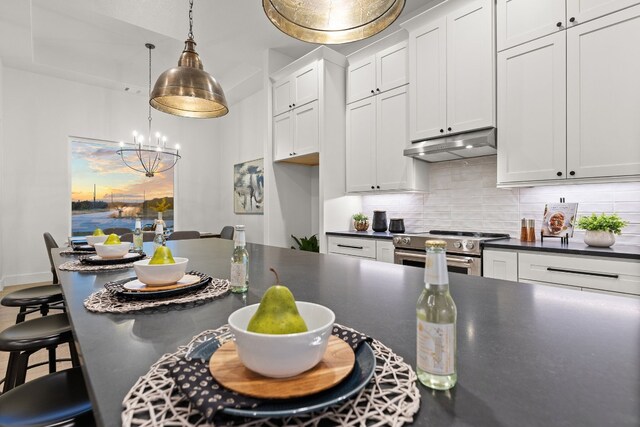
column 272, row 353
column 112, row 247
column 162, row 269
column 98, row 238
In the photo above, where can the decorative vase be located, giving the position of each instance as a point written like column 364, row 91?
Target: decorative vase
column 379, row 221
column 396, row 225
column 602, row 239
column 361, row 225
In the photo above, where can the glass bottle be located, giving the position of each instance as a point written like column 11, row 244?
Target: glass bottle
column 158, row 240
column 137, row 236
column 436, row 323
column 239, row 263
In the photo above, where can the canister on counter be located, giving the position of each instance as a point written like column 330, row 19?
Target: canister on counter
column 531, row 230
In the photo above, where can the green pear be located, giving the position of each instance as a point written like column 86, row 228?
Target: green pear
column 162, row 255
column 277, row 312
column 113, row 239
column 98, row 232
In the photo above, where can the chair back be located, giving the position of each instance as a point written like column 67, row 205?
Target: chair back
column 227, row 232
column 184, row 235
column 117, row 230
column 50, row 243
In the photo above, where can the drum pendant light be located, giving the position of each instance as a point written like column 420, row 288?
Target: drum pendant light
column 332, row 21
column 187, row 90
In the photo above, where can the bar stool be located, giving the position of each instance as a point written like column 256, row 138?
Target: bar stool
column 49, row 400
column 23, row 339
column 38, row 298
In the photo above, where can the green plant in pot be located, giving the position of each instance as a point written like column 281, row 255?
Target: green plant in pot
column 601, row 229
column 309, row 244
column 360, row 222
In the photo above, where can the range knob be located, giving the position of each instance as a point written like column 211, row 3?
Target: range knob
column 406, row 240
column 470, row 245
column 457, row 244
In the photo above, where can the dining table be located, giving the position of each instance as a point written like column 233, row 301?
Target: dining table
column 527, row 354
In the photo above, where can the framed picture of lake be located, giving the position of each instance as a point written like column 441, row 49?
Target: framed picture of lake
column 248, row 187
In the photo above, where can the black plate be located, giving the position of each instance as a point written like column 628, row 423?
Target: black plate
column 87, row 259
column 83, row 248
column 118, row 289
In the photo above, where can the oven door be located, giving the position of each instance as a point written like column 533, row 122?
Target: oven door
column 455, row 263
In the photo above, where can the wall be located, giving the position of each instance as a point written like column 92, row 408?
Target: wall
column 40, row 113
column 2, row 206
column 463, row 196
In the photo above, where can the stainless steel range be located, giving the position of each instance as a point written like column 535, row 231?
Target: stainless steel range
column 464, row 249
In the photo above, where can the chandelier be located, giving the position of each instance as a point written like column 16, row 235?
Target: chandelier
column 152, row 157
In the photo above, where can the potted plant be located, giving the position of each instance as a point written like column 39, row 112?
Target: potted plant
column 601, row 229
column 360, row 222
column 309, row 244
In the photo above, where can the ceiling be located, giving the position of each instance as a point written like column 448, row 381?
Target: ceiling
column 102, row 41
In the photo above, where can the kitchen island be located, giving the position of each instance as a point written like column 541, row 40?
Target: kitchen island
column 527, row 354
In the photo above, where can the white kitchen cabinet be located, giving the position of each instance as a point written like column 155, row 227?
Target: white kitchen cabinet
column 451, row 72
column 362, row 247
column 384, row 251
column 581, row 11
column 532, row 111
column 296, row 90
column 376, row 138
column 295, row 133
column 377, row 73
column 603, row 96
column 498, row 264
column 520, row 21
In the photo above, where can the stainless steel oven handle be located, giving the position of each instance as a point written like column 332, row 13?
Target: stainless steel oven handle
column 412, row 256
column 461, row 261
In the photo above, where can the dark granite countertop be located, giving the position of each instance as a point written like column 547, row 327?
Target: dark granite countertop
column 575, row 247
column 369, row 234
column 528, row 355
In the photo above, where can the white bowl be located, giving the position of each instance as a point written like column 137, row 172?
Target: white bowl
column 160, row 274
column 92, row 240
column 112, row 251
column 287, row 355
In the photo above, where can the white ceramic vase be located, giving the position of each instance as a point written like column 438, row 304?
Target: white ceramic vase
column 602, row 239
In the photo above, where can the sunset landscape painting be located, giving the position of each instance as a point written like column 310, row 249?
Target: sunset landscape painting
column 105, row 193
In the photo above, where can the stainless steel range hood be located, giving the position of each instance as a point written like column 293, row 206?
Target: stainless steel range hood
column 452, row 147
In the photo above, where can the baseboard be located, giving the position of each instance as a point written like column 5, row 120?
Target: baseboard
column 23, row 279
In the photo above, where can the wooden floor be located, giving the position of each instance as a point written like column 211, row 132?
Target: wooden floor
column 8, row 318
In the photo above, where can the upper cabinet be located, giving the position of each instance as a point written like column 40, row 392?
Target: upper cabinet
column 451, row 70
column 568, row 104
column 520, row 21
column 296, row 90
column 377, row 73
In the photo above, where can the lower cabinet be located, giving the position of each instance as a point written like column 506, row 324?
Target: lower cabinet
column 589, row 273
column 375, row 249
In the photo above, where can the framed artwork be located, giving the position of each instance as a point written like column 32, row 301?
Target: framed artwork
column 248, row 187
column 559, row 219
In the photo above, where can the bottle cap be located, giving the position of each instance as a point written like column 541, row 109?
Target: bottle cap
column 435, row 244
column 239, row 227
column 524, row 222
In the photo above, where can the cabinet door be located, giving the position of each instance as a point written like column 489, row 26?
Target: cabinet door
column 361, row 145
column 603, row 96
column 470, row 68
column 384, row 251
column 392, row 166
column 500, row 265
column 391, row 68
column 532, row 111
column 282, row 97
column 520, row 21
column 585, row 10
column 282, row 132
column 305, row 129
column 305, row 85
column 361, row 79
column 428, row 80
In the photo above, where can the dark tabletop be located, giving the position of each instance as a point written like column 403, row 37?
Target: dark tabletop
column 575, row 247
column 528, row 355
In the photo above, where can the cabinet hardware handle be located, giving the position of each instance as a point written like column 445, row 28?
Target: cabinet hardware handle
column 289, row 105
column 373, row 188
column 572, row 19
column 378, row 89
column 373, row 91
column 572, row 173
column 559, row 25
column 350, row 246
column 291, row 154
column 293, row 105
column 449, row 129
column 294, row 152
column 588, row 273
column 441, row 130
column 559, row 173
column 377, row 186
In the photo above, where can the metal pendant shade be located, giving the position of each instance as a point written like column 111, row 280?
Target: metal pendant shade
column 332, row 21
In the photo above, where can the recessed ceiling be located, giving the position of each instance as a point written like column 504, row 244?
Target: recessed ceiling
column 102, row 41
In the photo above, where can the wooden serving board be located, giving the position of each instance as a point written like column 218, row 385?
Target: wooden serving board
column 228, row 370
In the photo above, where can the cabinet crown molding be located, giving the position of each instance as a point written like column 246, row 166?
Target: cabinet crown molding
column 319, row 53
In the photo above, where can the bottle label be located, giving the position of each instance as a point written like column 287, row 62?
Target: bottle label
column 436, row 348
column 238, row 274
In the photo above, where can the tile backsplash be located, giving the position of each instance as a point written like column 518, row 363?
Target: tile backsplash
column 463, row 196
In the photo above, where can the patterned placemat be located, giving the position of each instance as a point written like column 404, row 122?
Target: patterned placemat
column 392, row 397
column 77, row 265
column 106, row 301
column 71, row 252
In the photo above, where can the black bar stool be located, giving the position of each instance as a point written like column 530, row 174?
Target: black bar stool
column 25, row 338
column 49, row 400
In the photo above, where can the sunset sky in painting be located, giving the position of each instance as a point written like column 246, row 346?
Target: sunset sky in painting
column 97, row 163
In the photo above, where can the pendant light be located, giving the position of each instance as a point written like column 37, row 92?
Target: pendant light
column 332, row 21
column 187, row 90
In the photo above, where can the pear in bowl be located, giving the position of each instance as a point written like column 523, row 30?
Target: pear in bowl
column 161, row 269
column 112, row 247
column 98, row 236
